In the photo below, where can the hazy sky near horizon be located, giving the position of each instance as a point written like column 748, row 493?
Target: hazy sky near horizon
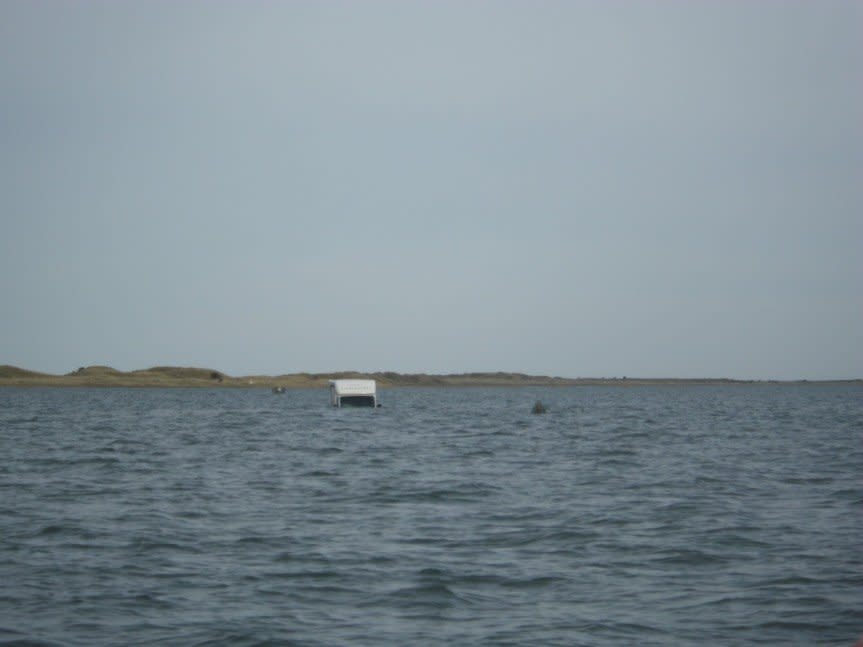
column 568, row 188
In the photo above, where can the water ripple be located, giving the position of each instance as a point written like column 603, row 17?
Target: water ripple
column 657, row 516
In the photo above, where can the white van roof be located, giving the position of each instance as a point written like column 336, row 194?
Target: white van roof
column 354, row 387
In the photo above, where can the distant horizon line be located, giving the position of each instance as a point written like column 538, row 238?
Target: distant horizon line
column 10, row 370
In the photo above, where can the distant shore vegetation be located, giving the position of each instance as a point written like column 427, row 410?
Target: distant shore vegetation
column 178, row 376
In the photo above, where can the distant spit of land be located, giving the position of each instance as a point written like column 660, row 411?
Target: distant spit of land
column 175, row 376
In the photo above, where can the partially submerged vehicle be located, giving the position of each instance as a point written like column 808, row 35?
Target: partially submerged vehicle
column 353, row 393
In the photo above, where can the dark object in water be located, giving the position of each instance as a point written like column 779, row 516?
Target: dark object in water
column 538, row 407
column 278, row 389
column 357, row 401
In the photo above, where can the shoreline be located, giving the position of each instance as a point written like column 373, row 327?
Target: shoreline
column 182, row 377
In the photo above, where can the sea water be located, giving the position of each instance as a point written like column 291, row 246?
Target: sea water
column 653, row 515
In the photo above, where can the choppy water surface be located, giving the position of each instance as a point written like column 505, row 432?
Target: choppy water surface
column 652, row 515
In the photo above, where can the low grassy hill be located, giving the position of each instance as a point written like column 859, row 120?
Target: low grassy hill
column 13, row 372
column 158, row 376
column 96, row 372
column 180, row 373
column 179, row 376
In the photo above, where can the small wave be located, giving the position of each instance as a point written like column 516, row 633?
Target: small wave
column 103, row 427
column 735, row 540
column 478, row 453
column 21, row 421
column 691, row 601
column 430, row 590
column 13, row 638
column 676, row 509
column 852, row 495
column 788, row 581
column 141, row 604
column 145, row 545
column 463, row 494
column 57, row 530
column 306, row 575
column 107, row 460
column 288, row 556
column 230, row 637
column 420, row 596
column 537, row 582
column 548, row 537
column 789, row 625
column 807, row 480
column 318, row 473
column 689, row 557
column 619, row 451
column 254, row 540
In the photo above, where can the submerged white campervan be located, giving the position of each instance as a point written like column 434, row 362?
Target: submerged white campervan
column 353, row 393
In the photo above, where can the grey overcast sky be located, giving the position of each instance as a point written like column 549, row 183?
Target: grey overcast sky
column 578, row 188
